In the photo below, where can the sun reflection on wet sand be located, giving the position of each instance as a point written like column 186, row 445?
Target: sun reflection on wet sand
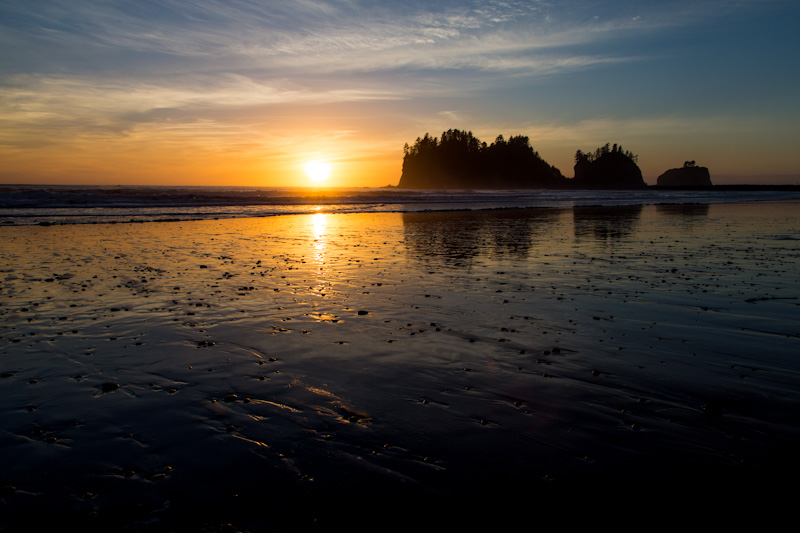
column 398, row 352
column 319, row 223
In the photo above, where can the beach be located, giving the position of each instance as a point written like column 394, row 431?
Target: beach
column 379, row 369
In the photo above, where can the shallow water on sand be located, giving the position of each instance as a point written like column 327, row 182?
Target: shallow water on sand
column 313, row 370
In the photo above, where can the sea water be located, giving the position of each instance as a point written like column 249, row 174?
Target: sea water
column 66, row 204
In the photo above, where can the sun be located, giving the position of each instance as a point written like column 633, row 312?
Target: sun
column 317, row 171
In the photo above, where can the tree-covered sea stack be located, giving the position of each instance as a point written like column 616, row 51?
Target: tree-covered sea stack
column 608, row 167
column 461, row 161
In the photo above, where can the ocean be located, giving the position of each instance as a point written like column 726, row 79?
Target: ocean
column 68, row 204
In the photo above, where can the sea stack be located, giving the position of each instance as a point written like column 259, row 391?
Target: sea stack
column 690, row 175
column 461, row 161
column 607, row 168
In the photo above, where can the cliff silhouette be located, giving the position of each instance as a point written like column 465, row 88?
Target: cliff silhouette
column 461, row 161
column 608, row 167
column 690, row 175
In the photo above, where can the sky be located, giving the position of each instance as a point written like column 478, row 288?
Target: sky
column 246, row 92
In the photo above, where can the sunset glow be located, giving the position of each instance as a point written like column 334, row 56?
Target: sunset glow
column 197, row 93
column 317, row 171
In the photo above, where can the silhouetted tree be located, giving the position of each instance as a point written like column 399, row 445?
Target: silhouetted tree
column 609, row 167
column 460, row 160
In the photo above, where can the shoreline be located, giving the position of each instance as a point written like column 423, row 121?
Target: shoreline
column 94, row 211
column 295, row 372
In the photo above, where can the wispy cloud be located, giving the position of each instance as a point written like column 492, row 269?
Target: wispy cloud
column 117, row 63
column 332, row 37
column 179, row 70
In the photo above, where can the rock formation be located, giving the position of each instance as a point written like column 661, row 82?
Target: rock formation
column 689, row 175
column 461, row 161
column 607, row 168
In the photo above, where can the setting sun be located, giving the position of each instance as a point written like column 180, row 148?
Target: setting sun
column 317, row 171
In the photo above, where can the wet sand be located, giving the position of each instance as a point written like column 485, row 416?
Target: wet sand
column 391, row 370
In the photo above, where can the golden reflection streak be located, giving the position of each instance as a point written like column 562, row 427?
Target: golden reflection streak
column 318, row 223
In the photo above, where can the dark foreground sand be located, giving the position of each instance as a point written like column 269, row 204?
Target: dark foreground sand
column 402, row 371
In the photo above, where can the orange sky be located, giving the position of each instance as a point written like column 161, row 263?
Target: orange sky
column 203, row 94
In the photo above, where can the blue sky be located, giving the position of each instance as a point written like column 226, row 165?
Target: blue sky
column 245, row 92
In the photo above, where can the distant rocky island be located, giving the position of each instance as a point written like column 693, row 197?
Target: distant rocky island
column 690, row 175
column 459, row 160
column 609, row 167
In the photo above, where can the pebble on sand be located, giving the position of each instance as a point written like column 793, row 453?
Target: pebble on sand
column 109, row 386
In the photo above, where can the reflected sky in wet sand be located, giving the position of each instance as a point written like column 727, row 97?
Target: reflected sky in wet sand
column 424, row 358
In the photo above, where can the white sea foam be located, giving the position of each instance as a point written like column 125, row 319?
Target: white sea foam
column 28, row 204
